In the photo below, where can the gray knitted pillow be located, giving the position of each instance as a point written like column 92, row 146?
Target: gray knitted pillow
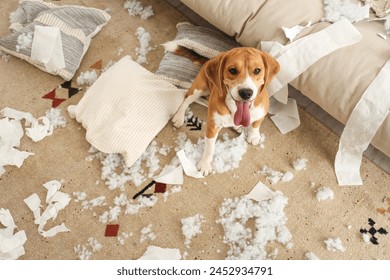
column 181, row 71
column 77, row 26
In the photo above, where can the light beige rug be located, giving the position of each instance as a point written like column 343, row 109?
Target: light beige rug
column 64, row 156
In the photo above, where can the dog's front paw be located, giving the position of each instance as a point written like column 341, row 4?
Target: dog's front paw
column 253, row 137
column 204, row 167
column 178, row 119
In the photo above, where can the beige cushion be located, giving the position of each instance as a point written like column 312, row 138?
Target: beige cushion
column 126, row 108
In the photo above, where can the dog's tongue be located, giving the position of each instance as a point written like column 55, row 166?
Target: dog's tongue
column 242, row 116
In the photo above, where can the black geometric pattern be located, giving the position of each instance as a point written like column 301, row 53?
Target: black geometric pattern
column 373, row 231
column 71, row 90
column 194, row 123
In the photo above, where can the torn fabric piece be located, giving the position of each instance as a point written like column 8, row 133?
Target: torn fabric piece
column 158, row 253
column 361, row 127
column 11, row 245
column 56, row 201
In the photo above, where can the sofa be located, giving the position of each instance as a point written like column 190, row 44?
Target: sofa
column 336, row 82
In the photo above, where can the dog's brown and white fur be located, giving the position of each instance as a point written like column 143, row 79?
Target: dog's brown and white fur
column 236, row 78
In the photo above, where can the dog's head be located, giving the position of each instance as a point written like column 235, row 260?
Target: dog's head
column 243, row 73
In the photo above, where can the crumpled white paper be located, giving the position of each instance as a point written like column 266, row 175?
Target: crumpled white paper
column 188, row 166
column 56, row 201
column 11, row 245
column 47, row 48
column 158, row 253
column 172, row 175
column 361, row 127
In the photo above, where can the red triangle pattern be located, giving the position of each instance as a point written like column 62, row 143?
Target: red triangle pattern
column 55, row 101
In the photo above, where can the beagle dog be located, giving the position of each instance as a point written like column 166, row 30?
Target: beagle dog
column 236, row 82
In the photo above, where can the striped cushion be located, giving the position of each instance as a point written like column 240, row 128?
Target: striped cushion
column 179, row 70
column 77, row 26
column 126, row 108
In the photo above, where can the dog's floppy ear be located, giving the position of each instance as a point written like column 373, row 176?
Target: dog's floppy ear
column 214, row 72
column 272, row 68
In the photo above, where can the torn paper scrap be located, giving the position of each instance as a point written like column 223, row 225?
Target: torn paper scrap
column 172, row 175
column 292, row 32
column 285, row 116
column 11, row 131
column 11, row 245
column 47, row 48
column 54, row 230
column 188, row 166
column 56, row 201
column 11, row 156
column 39, row 129
column 361, row 127
column 158, row 253
column 260, row 192
column 17, row 115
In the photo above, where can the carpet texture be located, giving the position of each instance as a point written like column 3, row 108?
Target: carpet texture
column 64, row 155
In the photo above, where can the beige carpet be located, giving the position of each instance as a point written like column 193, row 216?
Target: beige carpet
column 62, row 156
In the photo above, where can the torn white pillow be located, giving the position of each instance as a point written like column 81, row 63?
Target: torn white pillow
column 125, row 109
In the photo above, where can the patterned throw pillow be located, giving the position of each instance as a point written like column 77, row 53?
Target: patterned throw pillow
column 206, row 42
column 77, row 26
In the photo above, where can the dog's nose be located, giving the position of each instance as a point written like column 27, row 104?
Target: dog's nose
column 245, row 93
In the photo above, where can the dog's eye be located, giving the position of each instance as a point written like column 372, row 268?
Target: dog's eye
column 233, row 71
column 257, row 71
